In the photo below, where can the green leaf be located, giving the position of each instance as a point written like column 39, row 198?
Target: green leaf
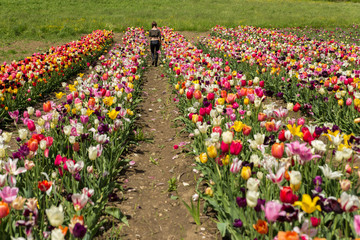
column 173, row 197
column 222, row 228
column 116, row 213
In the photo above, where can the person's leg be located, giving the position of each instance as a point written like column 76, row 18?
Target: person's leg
column 152, row 48
column 157, row 47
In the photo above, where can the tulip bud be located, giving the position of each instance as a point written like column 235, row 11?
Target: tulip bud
column 345, row 184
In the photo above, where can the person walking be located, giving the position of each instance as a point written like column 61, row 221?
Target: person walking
column 155, row 42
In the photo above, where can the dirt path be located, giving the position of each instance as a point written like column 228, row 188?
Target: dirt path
column 153, row 211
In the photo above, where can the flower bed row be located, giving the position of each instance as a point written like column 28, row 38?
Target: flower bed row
column 22, row 83
column 56, row 185
column 320, row 76
column 268, row 176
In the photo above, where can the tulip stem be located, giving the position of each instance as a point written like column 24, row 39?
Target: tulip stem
column 271, row 230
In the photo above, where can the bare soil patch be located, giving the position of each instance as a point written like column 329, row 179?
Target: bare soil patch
column 152, row 211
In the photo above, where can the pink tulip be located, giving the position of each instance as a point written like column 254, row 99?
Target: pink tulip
column 272, row 210
column 357, row 224
column 38, row 113
column 301, row 121
column 31, row 125
column 348, row 101
column 8, row 194
column 26, row 114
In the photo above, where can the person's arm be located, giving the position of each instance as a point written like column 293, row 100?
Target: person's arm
column 160, row 38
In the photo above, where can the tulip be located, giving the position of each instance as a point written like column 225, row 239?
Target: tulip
column 209, row 191
column 289, row 235
column 55, row 215
column 33, row 144
column 251, row 198
column 203, row 158
column 272, row 210
column 262, row 117
column 189, row 94
column 18, row 203
column 47, row 106
column 224, row 147
column 252, row 184
column 315, row 221
column 236, row 147
column 197, row 94
column 261, row 226
column 4, row 209
column 297, row 107
column 307, row 204
column 345, row 184
column 227, row 137
column 356, row 224
column 277, row 150
column 246, row 172
column 211, row 151
column 246, row 130
column 287, row 196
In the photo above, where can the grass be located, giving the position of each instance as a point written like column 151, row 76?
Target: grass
column 62, row 21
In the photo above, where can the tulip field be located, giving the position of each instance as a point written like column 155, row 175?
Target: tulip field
column 273, row 116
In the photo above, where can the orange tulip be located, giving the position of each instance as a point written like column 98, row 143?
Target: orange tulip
column 47, row 106
column 277, row 150
column 33, row 144
column 289, row 235
column 261, row 226
column 246, row 130
column 4, row 209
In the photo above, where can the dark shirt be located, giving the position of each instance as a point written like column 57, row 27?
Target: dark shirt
column 154, row 33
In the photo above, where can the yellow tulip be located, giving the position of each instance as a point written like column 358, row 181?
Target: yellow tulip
column 307, row 204
column 246, row 172
column 340, row 102
column 113, row 114
column 203, row 158
column 295, row 130
column 211, row 151
column 225, row 161
column 246, row 101
column 221, row 101
column 209, row 191
column 89, row 112
column 59, row 95
column 238, row 126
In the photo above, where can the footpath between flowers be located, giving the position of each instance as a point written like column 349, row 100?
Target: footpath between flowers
column 268, row 176
column 56, row 185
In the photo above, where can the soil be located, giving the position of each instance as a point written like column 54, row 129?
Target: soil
column 152, row 211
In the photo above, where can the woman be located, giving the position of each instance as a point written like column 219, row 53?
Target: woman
column 155, row 42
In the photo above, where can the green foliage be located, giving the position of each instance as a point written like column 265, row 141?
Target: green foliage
column 172, row 184
column 68, row 19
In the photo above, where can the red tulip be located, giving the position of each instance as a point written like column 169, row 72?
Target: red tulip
column 277, row 150
column 287, row 195
column 262, row 84
column 224, row 147
column 308, row 137
column 202, row 111
column 189, row 94
column 282, row 135
column 297, row 107
column 315, row 221
column 235, row 147
column 210, row 96
column 217, row 129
